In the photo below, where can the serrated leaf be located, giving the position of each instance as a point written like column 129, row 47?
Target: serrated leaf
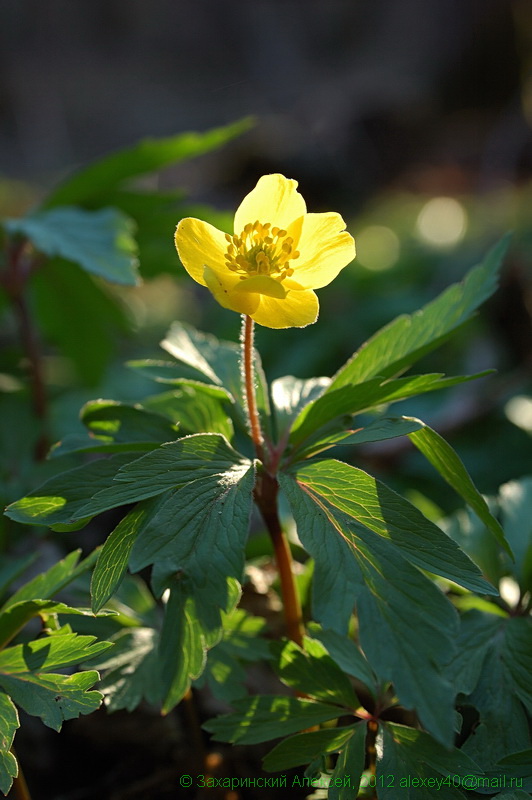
column 173, row 464
column 264, row 717
column 373, row 505
column 348, row 400
column 114, row 555
column 218, row 362
column 442, row 456
column 52, row 580
column 146, row 156
column 406, row 626
column 196, row 410
column 8, row 726
column 346, row 654
column 59, row 499
column 406, row 339
column 25, row 675
column 348, row 769
column 377, row 431
column 205, row 521
column 13, row 619
column 497, row 680
column 131, row 670
column 305, row 747
column 412, row 765
column 313, row 672
column 101, row 242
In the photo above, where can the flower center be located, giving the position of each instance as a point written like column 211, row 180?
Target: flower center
column 261, row 250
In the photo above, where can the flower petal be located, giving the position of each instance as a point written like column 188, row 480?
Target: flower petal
column 274, row 199
column 297, row 310
column 262, row 284
column 325, row 247
column 222, row 285
column 200, row 245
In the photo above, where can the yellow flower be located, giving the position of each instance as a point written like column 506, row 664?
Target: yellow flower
column 276, row 257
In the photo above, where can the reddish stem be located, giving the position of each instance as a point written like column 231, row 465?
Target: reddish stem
column 266, row 490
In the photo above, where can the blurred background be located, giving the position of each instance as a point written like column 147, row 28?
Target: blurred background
column 410, row 117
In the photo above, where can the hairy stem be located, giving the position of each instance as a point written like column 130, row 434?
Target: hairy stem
column 266, row 490
column 249, row 386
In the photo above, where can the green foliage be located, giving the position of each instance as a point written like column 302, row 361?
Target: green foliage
column 406, row 626
column 28, row 670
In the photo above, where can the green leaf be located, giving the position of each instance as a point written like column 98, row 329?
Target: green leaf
column 373, row 505
column 516, row 769
column 290, row 395
column 131, row 670
column 496, row 678
column 264, row 717
column 515, row 503
column 77, row 313
column 8, row 726
column 196, row 411
column 306, row 747
column 171, row 373
column 313, row 672
column 442, row 456
column 114, row 555
column 216, row 361
column 406, row 626
column 171, row 465
column 412, row 765
column 146, row 156
column 346, row 654
column 375, row 392
column 101, row 242
column 405, row 340
column 59, row 500
column 377, row 431
column 204, row 522
column 48, row 583
column 25, row 675
column 348, row 770
column 13, row 619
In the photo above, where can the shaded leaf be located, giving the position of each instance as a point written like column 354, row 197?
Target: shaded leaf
column 346, row 654
column 196, row 411
column 59, row 500
column 305, row 747
column 264, row 717
column 146, row 156
column 313, row 672
column 101, row 242
column 9, row 723
column 442, row 456
column 173, row 464
column 377, row 431
column 348, row 769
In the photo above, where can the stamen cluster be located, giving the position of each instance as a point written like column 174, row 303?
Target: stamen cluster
column 261, row 250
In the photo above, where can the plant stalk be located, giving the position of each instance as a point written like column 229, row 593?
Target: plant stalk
column 266, row 491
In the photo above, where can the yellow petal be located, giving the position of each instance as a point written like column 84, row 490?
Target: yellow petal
column 200, row 245
column 274, row 199
column 262, row 284
column 297, row 310
column 325, row 247
column 222, row 286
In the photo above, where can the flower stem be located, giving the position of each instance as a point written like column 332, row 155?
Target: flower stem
column 249, row 385
column 266, row 491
